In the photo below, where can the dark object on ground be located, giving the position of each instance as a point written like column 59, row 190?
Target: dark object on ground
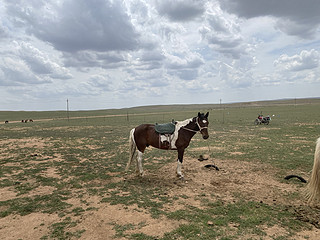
column 201, row 158
column 212, row 166
column 295, row 176
column 262, row 120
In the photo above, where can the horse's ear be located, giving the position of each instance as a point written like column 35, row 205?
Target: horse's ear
column 199, row 114
column 206, row 116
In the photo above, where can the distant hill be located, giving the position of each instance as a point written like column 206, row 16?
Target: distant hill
column 186, row 107
column 19, row 115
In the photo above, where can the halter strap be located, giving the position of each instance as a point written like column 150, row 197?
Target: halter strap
column 191, row 130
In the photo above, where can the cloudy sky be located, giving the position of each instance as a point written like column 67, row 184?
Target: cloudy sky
column 113, row 54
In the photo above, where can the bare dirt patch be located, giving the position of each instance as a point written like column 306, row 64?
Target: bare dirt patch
column 38, row 143
column 7, row 193
column 29, row 227
column 251, row 181
column 101, row 224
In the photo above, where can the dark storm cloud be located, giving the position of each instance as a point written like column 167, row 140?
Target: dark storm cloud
column 296, row 17
column 90, row 59
column 181, row 10
column 150, row 60
column 78, row 25
column 184, row 68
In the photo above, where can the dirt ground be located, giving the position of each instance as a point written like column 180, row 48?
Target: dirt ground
column 251, row 181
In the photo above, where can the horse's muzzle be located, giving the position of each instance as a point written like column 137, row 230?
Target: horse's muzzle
column 205, row 136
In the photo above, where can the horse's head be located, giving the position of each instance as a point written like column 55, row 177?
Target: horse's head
column 202, row 122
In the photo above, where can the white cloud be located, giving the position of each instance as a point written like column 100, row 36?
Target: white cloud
column 222, row 33
column 24, row 64
column 136, row 52
column 16, row 72
column 40, row 63
column 299, row 62
column 3, row 32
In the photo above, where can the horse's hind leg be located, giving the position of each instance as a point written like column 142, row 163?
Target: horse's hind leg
column 139, row 168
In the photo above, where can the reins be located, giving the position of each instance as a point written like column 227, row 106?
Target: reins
column 200, row 128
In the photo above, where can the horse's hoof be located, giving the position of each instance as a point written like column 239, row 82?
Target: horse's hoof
column 181, row 177
column 139, row 174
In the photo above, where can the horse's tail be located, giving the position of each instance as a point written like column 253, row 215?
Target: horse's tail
column 313, row 187
column 132, row 148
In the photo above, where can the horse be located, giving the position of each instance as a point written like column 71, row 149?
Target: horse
column 313, row 186
column 145, row 135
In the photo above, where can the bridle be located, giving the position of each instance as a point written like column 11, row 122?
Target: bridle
column 200, row 128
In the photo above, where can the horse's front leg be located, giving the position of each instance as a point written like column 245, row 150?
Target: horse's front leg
column 180, row 160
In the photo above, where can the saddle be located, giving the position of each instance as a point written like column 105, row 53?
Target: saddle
column 166, row 128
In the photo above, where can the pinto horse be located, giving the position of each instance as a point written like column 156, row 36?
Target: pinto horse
column 145, row 135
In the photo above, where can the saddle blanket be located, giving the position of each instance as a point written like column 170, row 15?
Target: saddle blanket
column 166, row 128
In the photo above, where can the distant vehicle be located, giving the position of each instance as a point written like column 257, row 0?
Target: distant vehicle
column 262, row 120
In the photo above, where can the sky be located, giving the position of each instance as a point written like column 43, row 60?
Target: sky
column 103, row 54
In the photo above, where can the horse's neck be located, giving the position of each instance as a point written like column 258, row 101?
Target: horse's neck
column 192, row 126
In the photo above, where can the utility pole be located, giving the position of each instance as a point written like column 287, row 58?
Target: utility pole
column 222, row 111
column 68, row 109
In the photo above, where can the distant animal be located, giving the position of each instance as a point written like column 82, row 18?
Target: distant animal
column 26, row 120
column 30, row 120
column 6, row 121
column 22, row 120
column 178, row 139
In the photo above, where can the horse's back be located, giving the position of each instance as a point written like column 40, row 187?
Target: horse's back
column 144, row 127
column 143, row 131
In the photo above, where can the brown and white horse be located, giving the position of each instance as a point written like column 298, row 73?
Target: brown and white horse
column 313, row 187
column 145, row 135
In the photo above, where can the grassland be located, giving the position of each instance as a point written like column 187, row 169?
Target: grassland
column 63, row 178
